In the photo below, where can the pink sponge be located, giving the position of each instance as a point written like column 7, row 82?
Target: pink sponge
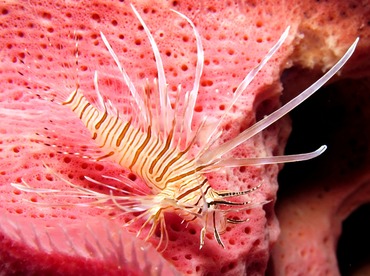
column 312, row 210
column 53, row 234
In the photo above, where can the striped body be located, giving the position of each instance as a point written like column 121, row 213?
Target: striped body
column 169, row 172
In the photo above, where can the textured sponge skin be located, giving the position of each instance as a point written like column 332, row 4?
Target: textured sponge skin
column 48, row 53
column 77, row 240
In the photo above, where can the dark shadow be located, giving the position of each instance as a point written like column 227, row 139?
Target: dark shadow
column 354, row 243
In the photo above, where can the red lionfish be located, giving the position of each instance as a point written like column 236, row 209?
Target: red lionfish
column 148, row 146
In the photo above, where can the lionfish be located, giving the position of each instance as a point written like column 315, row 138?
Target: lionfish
column 156, row 145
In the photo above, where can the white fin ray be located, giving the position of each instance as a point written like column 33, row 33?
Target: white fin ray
column 165, row 105
column 128, row 203
column 257, row 161
column 220, row 150
column 139, row 101
column 100, row 104
column 252, row 74
column 25, row 188
column 193, row 94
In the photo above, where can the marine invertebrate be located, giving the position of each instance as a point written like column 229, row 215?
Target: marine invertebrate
column 335, row 186
column 157, row 145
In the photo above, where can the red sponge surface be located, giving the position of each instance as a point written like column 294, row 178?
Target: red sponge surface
column 53, row 234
